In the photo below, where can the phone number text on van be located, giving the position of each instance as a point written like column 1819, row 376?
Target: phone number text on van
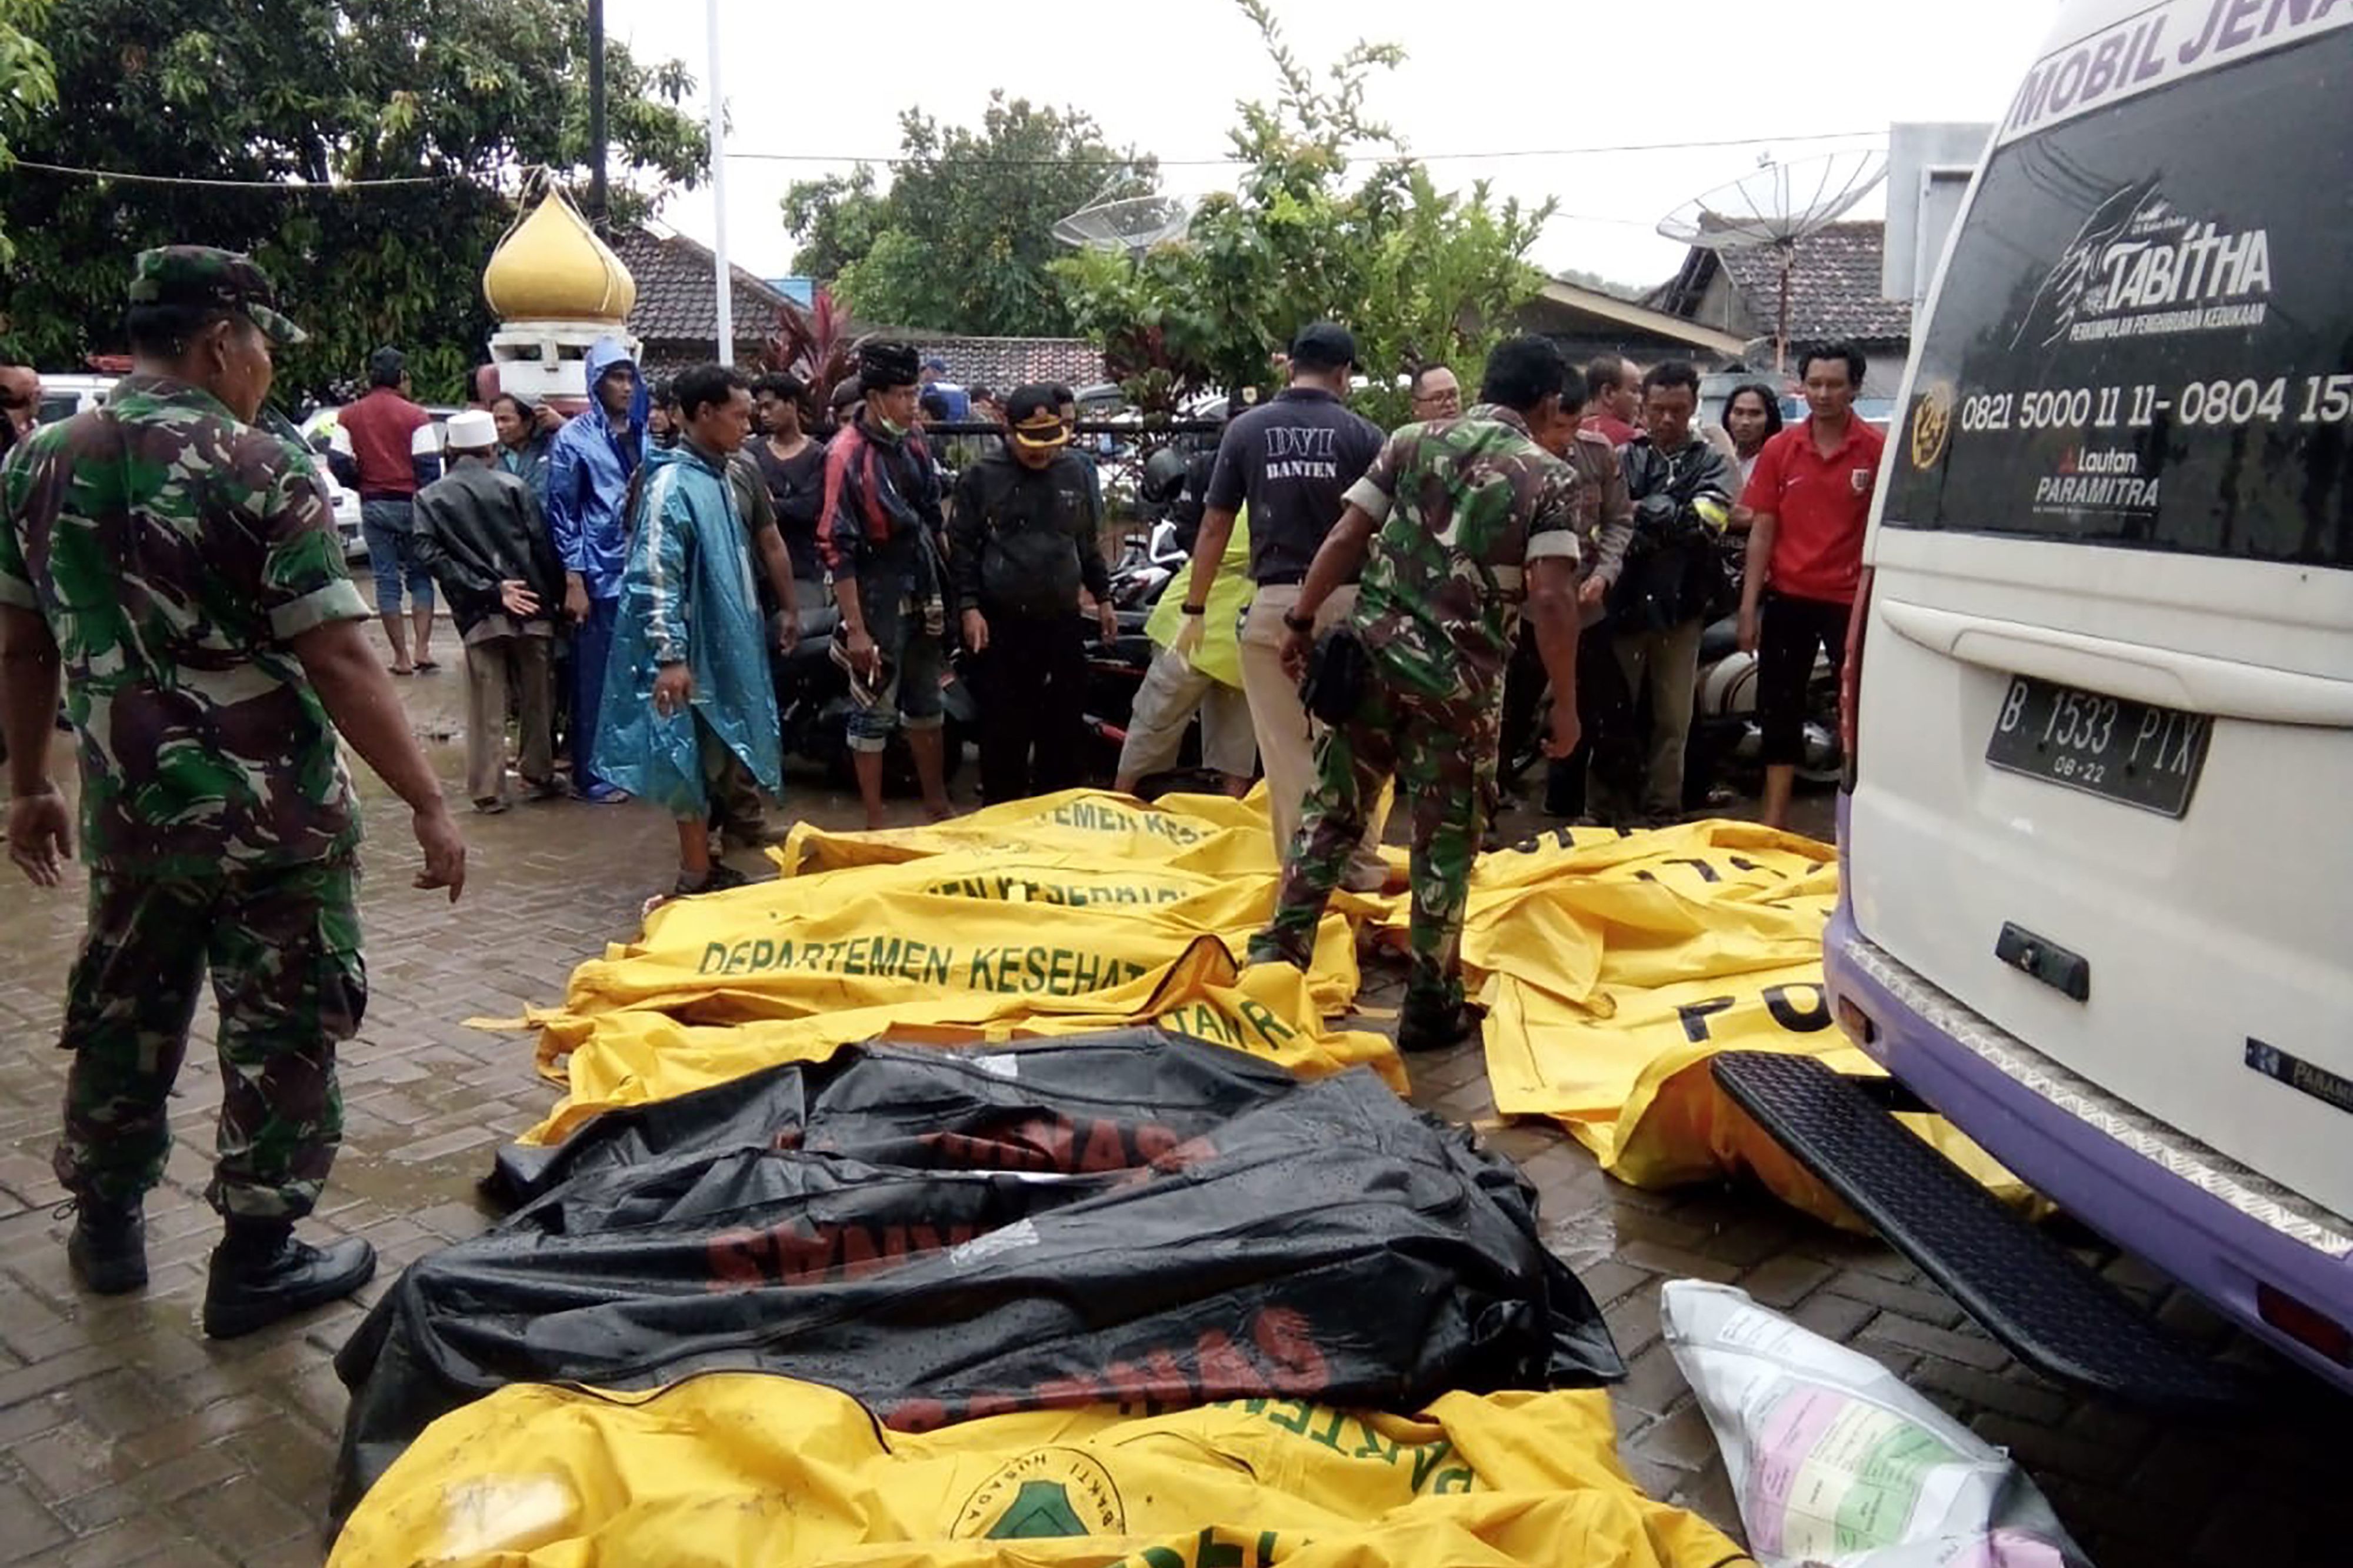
column 2315, row 399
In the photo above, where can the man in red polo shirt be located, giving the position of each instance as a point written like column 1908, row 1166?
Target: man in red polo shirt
column 1810, row 495
column 387, row 450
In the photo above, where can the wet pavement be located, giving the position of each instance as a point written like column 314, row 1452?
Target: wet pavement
column 126, row 1436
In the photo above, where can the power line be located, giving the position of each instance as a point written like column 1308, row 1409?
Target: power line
column 1597, row 217
column 1228, row 160
column 289, row 185
column 1235, row 159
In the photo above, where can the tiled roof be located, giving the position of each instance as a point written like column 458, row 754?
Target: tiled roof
column 1834, row 289
column 1003, row 363
column 678, row 295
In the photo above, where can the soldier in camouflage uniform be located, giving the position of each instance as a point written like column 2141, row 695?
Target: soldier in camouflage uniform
column 1455, row 514
column 176, row 568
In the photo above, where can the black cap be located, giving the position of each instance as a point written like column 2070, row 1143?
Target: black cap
column 885, row 366
column 1323, row 345
column 1034, row 415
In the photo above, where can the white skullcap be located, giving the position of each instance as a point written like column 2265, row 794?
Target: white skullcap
column 474, row 429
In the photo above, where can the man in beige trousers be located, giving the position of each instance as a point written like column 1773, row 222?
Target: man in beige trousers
column 1291, row 460
column 480, row 533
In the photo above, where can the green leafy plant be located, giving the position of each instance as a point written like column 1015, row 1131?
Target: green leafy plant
column 29, row 86
column 963, row 240
column 1330, row 219
column 307, row 98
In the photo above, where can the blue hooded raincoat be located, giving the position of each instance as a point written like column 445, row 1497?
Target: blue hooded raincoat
column 589, row 470
column 687, row 594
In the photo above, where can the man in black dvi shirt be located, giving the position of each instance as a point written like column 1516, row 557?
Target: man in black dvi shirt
column 1291, row 460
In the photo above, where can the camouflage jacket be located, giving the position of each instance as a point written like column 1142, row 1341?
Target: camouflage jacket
column 1462, row 506
column 174, row 553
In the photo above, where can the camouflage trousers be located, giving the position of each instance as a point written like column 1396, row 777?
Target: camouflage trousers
column 1441, row 751
column 282, row 946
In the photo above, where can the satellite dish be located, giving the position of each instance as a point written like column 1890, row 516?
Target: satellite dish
column 1778, row 205
column 1132, row 225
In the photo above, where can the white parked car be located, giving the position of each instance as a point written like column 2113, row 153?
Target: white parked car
column 63, row 396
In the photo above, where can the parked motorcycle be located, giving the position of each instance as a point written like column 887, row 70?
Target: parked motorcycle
column 1725, row 752
column 814, row 704
column 1115, row 671
column 1726, row 738
column 1145, row 572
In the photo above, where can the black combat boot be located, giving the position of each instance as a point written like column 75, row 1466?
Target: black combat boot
column 1438, row 1029
column 107, row 1249
column 261, row 1273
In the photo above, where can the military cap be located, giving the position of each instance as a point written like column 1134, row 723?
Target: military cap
column 201, row 276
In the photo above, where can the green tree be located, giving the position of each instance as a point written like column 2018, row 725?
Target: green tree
column 836, row 219
column 1418, row 273
column 28, row 87
column 311, row 96
column 963, row 240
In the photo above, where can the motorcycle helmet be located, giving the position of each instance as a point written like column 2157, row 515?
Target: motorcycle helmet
column 1164, row 476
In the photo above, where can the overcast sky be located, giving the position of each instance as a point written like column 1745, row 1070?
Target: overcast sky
column 826, row 84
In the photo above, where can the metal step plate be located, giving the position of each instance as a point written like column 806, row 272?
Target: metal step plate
column 2028, row 1292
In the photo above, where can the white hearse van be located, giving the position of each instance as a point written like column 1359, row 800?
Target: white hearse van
column 2097, row 835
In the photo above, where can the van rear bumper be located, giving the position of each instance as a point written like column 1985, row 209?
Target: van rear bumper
column 2209, row 1222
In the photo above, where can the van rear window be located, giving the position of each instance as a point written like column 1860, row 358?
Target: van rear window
column 2144, row 337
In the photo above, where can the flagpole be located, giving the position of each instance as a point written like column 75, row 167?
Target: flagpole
column 723, row 281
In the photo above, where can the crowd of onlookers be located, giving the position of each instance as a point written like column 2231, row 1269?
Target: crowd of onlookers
column 171, row 571
column 1665, row 490
column 842, row 514
column 1664, row 500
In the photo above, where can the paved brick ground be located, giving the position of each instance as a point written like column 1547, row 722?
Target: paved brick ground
column 125, row 1437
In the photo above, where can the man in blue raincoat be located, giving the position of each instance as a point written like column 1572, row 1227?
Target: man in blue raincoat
column 589, row 465
column 688, row 699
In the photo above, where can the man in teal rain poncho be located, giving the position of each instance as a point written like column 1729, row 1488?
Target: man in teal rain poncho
column 688, row 700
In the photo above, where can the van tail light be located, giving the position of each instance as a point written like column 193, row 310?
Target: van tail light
column 2308, row 1326
column 1850, row 682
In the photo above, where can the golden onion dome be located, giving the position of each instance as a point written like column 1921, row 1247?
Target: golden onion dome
column 551, row 266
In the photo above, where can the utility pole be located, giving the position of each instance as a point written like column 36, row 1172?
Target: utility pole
column 725, row 283
column 597, row 212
